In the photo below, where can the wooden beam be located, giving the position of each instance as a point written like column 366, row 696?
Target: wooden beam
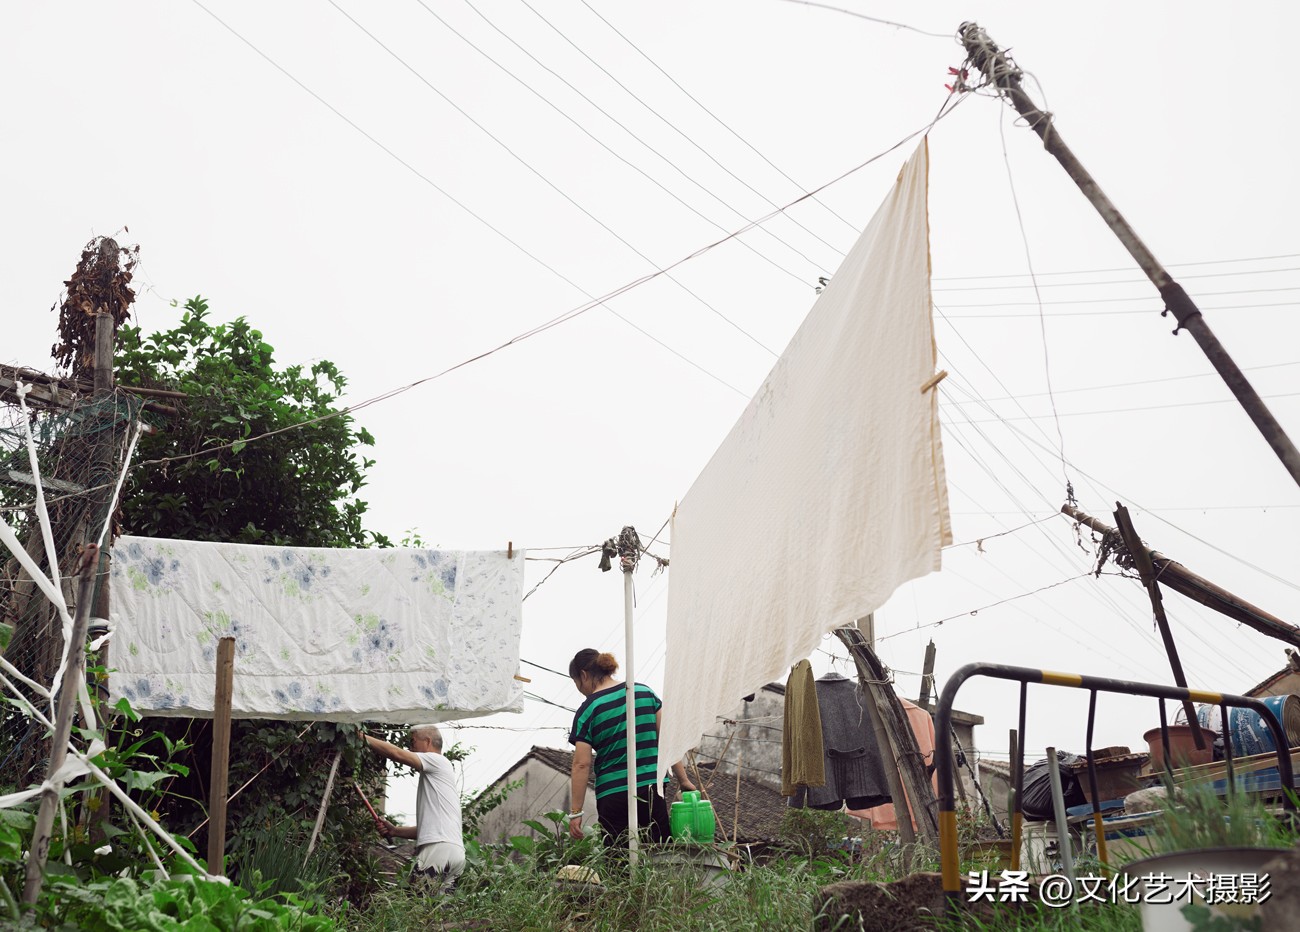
column 220, row 782
column 1173, row 575
column 910, row 771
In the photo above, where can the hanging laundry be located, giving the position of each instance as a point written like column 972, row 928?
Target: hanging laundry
column 829, row 491
column 401, row 636
column 885, row 817
column 802, row 755
column 855, row 769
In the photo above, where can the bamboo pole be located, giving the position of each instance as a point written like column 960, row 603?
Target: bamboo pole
column 66, row 707
column 1003, row 74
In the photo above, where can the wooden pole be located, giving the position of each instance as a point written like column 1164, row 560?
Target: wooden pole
column 1142, row 563
column 1003, row 74
column 105, row 332
column 927, row 676
column 220, row 781
column 909, row 779
column 65, row 709
column 1173, row 575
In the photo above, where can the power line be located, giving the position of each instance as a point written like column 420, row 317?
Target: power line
column 1146, row 297
column 1148, row 310
column 1140, row 408
column 621, row 125
column 717, row 119
column 554, row 187
column 1038, row 299
column 524, row 84
column 1155, row 514
column 1126, row 268
column 1096, row 388
column 707, row 154
column 1120, row 281
column 873, row 19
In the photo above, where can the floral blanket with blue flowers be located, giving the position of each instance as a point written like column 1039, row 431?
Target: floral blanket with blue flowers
column 401, row 636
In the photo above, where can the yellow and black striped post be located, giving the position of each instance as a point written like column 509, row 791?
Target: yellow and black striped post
column 948, row 853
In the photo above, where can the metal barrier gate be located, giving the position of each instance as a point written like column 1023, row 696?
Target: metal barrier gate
column 948, row 853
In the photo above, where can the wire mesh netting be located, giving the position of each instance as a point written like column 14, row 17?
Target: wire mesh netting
column 79, row 452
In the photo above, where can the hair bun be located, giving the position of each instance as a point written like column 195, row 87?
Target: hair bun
column 606, row 663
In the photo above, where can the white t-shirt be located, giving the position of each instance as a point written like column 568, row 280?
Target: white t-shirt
column 437, row 802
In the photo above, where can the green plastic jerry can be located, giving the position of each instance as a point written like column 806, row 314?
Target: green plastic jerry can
column 692, row 819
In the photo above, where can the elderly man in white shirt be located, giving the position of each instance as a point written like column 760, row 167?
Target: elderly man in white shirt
column 439, row 847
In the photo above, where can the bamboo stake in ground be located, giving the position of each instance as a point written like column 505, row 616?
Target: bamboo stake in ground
column 72, row 679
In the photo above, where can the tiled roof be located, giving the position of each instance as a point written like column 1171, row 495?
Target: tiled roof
column 761, row 806
column 758, row 818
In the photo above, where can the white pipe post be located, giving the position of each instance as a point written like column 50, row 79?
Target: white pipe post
column 629, row 554
column 630, row 684
column 1058, row 810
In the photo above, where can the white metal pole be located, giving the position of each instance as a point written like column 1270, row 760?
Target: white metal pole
column 630, row 683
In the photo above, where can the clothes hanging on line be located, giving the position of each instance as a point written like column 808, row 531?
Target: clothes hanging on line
column 855, row 769
column 885, row 817
column 802, row 755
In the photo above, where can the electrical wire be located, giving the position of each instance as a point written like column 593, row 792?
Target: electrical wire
column 1147, row 297
column 556, row 188
column 873, row 19
column 1138, row 409
column 1038, row 298
column 717, row 119
column 636, row 168
column 1120, row 281
column 1125, row 268
column 1096, row 388
column 675, row 128
column 623, row 126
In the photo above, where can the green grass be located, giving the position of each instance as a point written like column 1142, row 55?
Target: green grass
column 650, row 899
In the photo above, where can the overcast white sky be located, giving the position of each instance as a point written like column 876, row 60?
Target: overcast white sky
column 332, row 226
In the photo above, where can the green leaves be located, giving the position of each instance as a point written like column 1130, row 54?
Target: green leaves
column 182, row 903
column 217, row 481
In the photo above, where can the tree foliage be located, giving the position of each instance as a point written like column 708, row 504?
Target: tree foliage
column 210, row 478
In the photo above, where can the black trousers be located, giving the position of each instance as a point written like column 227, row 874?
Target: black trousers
column 651, row 816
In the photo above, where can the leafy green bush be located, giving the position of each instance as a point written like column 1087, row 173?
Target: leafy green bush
column 124, row 904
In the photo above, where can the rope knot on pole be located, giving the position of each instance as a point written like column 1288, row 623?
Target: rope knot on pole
column 629, row 549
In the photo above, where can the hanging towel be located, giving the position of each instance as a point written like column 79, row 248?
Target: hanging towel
column 829, row 491
column 855, row 769
column 802, row 758
column 393, row 635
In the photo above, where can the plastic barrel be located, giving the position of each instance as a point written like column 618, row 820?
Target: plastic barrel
column 1246, row 728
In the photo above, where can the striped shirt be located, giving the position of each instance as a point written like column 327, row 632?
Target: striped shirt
column 601, row 722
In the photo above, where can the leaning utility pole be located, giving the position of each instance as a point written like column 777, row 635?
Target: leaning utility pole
column 1002, row 73
column 1173, row 575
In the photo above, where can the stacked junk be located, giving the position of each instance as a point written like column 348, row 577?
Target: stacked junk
column 1130, row 784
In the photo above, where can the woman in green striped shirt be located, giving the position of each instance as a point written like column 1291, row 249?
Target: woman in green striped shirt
column 600, row 730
